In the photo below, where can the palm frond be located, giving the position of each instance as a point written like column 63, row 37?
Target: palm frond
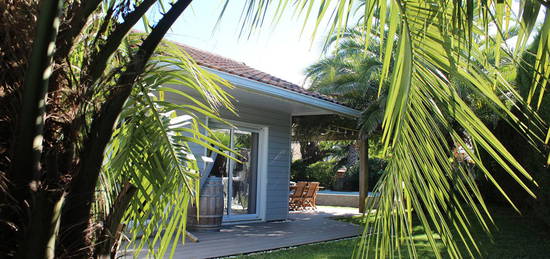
column 150, row 149
column 350, row 73
column 436, row 44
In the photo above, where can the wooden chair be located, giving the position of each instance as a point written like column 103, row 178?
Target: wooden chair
column 310, row 196
column 296, row 198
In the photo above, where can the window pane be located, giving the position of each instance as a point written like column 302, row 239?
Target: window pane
column 220, row 167
column 245, row 173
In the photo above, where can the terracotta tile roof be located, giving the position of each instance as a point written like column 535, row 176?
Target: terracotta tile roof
column 230, row 66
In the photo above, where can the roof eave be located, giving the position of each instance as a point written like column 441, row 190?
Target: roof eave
column 278, row 92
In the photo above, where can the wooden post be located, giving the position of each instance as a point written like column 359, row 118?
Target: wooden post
column 363, row 172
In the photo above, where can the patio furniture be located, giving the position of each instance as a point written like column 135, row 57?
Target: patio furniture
column 303, row 196
column 296, row 197
column 310, row 196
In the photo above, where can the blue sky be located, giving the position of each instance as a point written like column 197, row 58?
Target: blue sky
column 278, row 50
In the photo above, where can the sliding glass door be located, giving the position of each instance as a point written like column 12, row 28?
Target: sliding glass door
column 240, row 175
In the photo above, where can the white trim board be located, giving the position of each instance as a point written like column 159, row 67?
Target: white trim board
column 278, row 92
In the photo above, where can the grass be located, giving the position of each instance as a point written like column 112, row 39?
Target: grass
column 516, row 237
column 332, row 250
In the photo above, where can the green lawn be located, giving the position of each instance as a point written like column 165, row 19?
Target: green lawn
column 516, row 237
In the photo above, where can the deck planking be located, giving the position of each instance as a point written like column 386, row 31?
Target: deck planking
column 301, row 228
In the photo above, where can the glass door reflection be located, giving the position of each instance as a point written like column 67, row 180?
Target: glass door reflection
column 240, row 175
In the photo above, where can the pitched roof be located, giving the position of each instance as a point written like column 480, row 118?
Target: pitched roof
column 223, row 64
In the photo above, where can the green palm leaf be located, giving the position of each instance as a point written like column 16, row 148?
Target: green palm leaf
column 441, row 48
column 150, row 149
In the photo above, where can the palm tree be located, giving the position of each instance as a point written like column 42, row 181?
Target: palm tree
column 350, row 74
column 435, row 44
column 86, row 148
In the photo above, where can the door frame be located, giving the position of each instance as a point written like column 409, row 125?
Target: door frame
column 261, row 193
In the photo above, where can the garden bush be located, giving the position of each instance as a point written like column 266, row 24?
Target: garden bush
column 376, row 170
column 322, row 172
column 298, row 171
column 325, row 173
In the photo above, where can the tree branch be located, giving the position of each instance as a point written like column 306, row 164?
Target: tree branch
column 98, row 62
column 77, row 207
column 110, row 232
column 70, row 30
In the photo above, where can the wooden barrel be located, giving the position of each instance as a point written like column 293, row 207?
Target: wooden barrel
column 211, row 207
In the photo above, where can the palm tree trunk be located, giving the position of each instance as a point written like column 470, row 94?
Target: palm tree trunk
column 40, row 238
column 25, row 166
column 44, row 205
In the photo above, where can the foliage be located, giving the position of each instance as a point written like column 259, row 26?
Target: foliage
column 321, row 171
column 298, row 171
column 150, row 150
column 86, row 145
column 344, row 152
column 532, row 157
column 527, row 154
column 377, row 168
column 525, row 78
column 435, row 44
column 351, row 75
column 337, row 154
column 311, row 152
column 328, row 127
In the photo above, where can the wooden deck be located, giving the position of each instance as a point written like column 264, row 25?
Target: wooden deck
column 299, row 229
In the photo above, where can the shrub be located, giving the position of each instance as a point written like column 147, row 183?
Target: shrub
column 298, row 171
column 322, row 172
column 376, row 170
